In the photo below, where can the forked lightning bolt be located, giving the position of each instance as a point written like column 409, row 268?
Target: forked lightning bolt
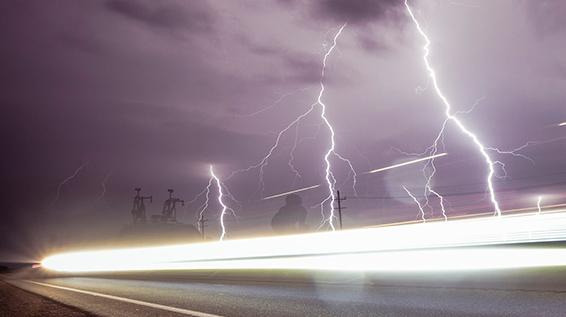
column 329, row 176
column 331, row 152
column 221, row 196
column 417, row 202
column 204, row 206
column 450, row 117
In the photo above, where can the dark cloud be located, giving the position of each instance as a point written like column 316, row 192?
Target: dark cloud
column 189, row 15
column 359, row 11
column 547, row 15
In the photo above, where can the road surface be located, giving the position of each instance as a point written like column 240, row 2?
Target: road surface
column 506, row 295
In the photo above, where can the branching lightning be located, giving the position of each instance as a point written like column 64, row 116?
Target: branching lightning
column 204, row 206
column 416, row 201
column 331, row 152
column 222, row 192
column 66, row 180
column 450, row 117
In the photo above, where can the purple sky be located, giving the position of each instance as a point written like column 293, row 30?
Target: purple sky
column 152, row 92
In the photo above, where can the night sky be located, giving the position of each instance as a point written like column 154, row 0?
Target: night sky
column 149, row 93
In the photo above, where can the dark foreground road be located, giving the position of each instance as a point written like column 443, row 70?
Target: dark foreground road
column 508, row 295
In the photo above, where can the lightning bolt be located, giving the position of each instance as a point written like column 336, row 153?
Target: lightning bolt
column 221, row 195
column 331, row 152
column 103, row 185
column 416, row 201
column 329, row 176
column 220, row 199
column 450, row 117
column 539, row 200
column 204, row 206
column 66, row 180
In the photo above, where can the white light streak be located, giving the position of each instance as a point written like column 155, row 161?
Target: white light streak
column 422, row 246
column 562, row 124
column 407, row 163
column 539, row 208
column 291, row 192
column 448, row 112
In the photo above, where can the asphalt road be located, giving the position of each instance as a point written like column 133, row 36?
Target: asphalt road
column 476, row 295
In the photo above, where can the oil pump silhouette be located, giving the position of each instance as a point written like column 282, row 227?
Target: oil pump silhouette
column 138, row 208
column 169, row 212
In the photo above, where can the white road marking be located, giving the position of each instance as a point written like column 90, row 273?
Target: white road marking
column 131, row 301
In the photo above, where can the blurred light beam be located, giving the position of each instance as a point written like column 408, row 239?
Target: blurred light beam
column 407, row 163
column 291, row 192
column 382, row 248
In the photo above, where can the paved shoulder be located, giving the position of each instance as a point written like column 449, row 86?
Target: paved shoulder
column 17, row 302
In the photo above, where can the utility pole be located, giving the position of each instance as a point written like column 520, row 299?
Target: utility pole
column 339, row 200
column 202, row 222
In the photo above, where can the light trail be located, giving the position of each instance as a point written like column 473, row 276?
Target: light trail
column 423, row 246
column 407, row 163
column 66, row 180
column 562, row 124
column 291, row 192
column 416, row 202
column 450, row 117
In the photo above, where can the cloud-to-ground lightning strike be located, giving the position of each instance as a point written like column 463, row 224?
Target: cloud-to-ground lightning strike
column 291, row 192
column 66, row 180
column 221, row 195
column 204, row 206
column 103, row 186
column 539, row 208
column 220, row 198
column 329, row 176
column 331, row 152
column 416, row 201
column 450, row 117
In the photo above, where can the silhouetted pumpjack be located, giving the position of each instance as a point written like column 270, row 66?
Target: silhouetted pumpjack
column 138, row 209
column 169, row 212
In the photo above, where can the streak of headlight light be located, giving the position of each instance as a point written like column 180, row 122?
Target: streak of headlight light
column 406, row 163
column 468, row 259
column 562, row 124
column 449, row 116
column 254, row 253
column 292, row 192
